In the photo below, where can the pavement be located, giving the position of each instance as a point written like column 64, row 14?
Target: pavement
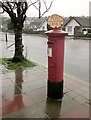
column 24, row 95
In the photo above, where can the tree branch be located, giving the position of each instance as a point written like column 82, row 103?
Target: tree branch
column 7, row 7
column 1, row 8
column 10, row 6
column 45, row 3
column 34, row 4
column 47, row 8
column 39, row 7
column 24, row 7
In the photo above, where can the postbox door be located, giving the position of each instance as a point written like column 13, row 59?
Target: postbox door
column 52, row 60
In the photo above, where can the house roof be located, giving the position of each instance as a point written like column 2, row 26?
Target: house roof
column 66, row 19
column 37, row 22
column 82, row 21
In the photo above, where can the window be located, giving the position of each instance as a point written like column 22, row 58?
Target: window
column 43, row 28
column 69, row 29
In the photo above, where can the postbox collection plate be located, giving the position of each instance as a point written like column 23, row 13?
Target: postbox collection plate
column 49, row 52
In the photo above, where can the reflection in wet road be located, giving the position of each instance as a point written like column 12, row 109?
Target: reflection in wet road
column 77, row 58
column 35, row 48
column 16, row 102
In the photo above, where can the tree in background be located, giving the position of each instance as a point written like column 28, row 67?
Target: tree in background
column 16, row 10
column 9, row 25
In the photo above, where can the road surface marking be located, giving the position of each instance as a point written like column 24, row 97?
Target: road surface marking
column 70, row 76
column 77, row 79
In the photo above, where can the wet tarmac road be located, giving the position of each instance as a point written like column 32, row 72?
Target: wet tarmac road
column 35, row 48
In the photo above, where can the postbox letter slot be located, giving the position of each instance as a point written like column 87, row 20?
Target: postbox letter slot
column 49, row 42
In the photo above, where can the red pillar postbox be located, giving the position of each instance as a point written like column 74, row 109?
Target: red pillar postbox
column 55, row 63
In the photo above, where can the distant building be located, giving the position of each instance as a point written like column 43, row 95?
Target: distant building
column 77, row 26
column 3, row 23
column 27, row 22
column 38, row 24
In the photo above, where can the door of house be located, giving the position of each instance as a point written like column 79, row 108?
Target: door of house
column 69, row 30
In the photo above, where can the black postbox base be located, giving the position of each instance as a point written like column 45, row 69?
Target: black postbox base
column 55, row 90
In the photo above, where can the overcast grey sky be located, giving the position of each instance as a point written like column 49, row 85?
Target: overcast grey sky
column 65, row 8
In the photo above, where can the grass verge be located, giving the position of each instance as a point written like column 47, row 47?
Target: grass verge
column 12, row 66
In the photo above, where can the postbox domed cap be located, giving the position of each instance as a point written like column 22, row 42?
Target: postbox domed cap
column 56, row 33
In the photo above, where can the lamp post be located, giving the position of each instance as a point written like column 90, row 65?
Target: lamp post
column 6, row 38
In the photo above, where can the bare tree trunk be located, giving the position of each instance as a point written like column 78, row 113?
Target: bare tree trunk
column 18, row 56
column 17, row 12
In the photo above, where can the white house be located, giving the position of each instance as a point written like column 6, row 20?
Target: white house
column 70, row 27
column 39, row 24
column 43, row 26
column 76, row 25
